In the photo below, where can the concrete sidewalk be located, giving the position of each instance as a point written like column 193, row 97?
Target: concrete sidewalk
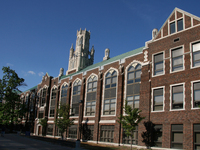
column 17, row 142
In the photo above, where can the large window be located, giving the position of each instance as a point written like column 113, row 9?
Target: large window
column 196, row 95
column 64, row 94
column 73, row 132
column 53, row 102
column 177, row 97
column 176, row 26
column 196, row 54
column 177, row 136
column 196, row 136
column 50, row 129
column 127, row 139
column 158, row 99
column 91, row 96
column 158, row 64
column 177, row 59
column 43, row 96
column 88, row 132
column 76, row 98
column 110, row 93
column 133, row 85
column 107, row 133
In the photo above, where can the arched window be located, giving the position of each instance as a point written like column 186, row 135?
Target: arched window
column 64, row 94
column 43, row 96
column 133, row 85
column 53, row 102
column 91, row 96
column 76, row 98
column 110, row 93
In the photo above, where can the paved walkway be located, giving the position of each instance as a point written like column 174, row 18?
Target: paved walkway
column 17, row 142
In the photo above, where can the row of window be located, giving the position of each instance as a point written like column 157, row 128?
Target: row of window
column 107, row 134
column 177, row 59
column 177, row 96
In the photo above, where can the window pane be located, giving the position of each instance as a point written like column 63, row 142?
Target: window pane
column 130, row 75
column 159, row 66
column 129, row 98
column 106, row 107
column 178, row 98
column 108, row 81
column 180, row 24
column 172, row 27
column 112, row 106
column 90, row 85
column 114, row 79
column 177, row 61
column 177, row 52
column 136, row 97
column 197, row 95
column 178, row 137
column 136, row 104
column 158, row 57
column 196, row 55
column 137, row 74
column 95, row 84
column 158, row 100
column 196, row 47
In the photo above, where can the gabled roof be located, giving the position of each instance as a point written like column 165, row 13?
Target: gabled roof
column 189, row 21
column 106, row 62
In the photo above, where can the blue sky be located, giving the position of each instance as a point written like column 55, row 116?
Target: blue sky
column 36, row 35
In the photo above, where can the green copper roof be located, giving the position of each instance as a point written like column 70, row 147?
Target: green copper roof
column 35, row 87
column 102, row 63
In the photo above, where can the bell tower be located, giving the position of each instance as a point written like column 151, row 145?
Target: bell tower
column 81, row 57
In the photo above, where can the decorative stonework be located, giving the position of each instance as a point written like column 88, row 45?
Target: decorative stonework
column 146, row 56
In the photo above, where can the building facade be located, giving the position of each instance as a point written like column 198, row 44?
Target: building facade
column 162, row 79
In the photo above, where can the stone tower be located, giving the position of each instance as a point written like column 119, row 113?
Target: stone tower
column 81, row 57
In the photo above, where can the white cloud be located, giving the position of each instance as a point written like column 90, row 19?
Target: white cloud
column 41, row 74
column 31, row 72
column 9, row 64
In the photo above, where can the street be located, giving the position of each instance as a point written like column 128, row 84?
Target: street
column 17, row 142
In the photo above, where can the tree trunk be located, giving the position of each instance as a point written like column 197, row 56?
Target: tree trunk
column 131, row 139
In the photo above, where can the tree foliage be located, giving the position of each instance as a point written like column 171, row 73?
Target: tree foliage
column 63, row 121
column 130, row 120
column 11, row 108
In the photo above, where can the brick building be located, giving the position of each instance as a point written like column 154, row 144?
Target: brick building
column 162, row 79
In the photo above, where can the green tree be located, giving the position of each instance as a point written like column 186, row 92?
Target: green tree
column 11, row 107
column 63, row 121
column 43, row 123
column 130, row 120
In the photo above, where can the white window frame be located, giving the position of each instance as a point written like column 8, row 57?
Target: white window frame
column 84, row 114
column 171, row 58
column 192, row 94
column 153, row 75
column 152, row 98
column 102, row 105
column 191, row 54
column 172, row 85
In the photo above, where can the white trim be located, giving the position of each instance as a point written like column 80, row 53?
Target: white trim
column 153, row 63
column 170, row 51
column 76, row 80
column 152, row 98
column 84, row 112
column 192, row 94
column 88, row 121
column 102, row 105
column 107, row 121
column 50, row 121
column 75, row 121
column 183, row 83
